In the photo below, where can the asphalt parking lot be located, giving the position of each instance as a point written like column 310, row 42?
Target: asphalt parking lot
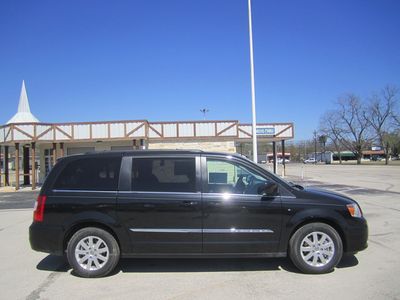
column 371, row 274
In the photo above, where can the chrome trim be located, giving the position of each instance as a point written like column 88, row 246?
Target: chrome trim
column 83, row 191
column 234, row 194
column 234, row 230
column 166, row 230
column 188, row 230
column 167, row 193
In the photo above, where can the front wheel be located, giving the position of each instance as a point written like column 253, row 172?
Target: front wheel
column 316, row 248
column 92, row 252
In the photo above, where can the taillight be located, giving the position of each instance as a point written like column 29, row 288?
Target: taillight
column 38, row 212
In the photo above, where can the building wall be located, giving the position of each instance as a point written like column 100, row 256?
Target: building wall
column 206, row 145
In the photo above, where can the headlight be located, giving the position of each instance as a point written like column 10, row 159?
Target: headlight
column 354, row 210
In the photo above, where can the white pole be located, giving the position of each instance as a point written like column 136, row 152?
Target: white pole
column 253, row 92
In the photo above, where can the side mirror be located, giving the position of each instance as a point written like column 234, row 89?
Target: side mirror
column 269, row 190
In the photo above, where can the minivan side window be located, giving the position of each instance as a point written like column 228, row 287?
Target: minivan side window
column 164, row 174
column 230, row 177
column 100, row 174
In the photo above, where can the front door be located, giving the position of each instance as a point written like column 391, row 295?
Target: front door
column 237, row 219
column 161, row 209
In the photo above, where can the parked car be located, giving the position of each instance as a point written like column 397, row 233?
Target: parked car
column 310, row 161
column 280, row 160
column 98, row 207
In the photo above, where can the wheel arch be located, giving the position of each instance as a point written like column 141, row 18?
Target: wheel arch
column 84, row 224
column 329, row 221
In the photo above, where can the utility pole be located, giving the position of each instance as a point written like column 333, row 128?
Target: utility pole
column 315, row 146
column 253, row 92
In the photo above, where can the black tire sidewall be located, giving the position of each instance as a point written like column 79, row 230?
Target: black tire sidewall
column 114, row 252
column 295, row 243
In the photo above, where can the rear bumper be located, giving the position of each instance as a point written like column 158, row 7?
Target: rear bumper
column 357, row 236
column 45, row 238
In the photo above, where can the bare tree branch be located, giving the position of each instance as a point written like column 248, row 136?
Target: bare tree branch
column 380, row 110
column 354, row 125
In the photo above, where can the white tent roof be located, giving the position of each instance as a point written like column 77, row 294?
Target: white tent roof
column 24, row 114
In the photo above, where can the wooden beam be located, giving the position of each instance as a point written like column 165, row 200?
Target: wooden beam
column 64, row 133
column 245, row 132
column 1, row 163
column 284, row 158
column 6, row 170
column 33, row 154
column 274, row 156
column 134, row 130
column 43, row 133
column 23, row 132
column 54, row 153
column 282, row 131
column 16, row 166
column 62, row 152
column 25, row 164
column 224, row 130
column 156, row 131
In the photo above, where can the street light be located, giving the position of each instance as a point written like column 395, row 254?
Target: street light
column 204, row 111
column 253, row 92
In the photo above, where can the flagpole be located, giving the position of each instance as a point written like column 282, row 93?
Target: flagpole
column 253, row 92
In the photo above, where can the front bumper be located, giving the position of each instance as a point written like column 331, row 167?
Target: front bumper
column 45, row 238
column 357, row 236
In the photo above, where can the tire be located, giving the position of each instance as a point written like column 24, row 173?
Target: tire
column 316, row 258
column 92, row 252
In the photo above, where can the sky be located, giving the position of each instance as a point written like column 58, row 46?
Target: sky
column 164, row 60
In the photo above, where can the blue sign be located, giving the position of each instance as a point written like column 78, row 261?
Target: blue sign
column 265, row 131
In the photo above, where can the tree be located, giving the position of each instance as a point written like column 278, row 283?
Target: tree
column 380, row 111
column 354, row 125
column 329, row 126
column 393, row 141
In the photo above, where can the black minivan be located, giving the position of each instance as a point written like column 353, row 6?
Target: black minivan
column 98, row 207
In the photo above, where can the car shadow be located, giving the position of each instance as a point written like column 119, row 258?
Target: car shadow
column 348, row 261
column 53, row 263
column 165, row 265
column 170, row 265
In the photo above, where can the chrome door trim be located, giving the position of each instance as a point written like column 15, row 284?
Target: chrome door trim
column 83, row 191
column 234, row 230
column 166, row 230
column 189, row 230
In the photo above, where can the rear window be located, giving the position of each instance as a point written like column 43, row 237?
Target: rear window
column 164, row 174
column 99, row 174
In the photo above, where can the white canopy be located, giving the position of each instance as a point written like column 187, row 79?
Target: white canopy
column 24, row 114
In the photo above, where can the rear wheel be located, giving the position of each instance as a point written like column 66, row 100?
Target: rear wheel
column 316, row 248
column 92, row 252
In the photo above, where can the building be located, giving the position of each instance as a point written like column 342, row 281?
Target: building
column 37, row 145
